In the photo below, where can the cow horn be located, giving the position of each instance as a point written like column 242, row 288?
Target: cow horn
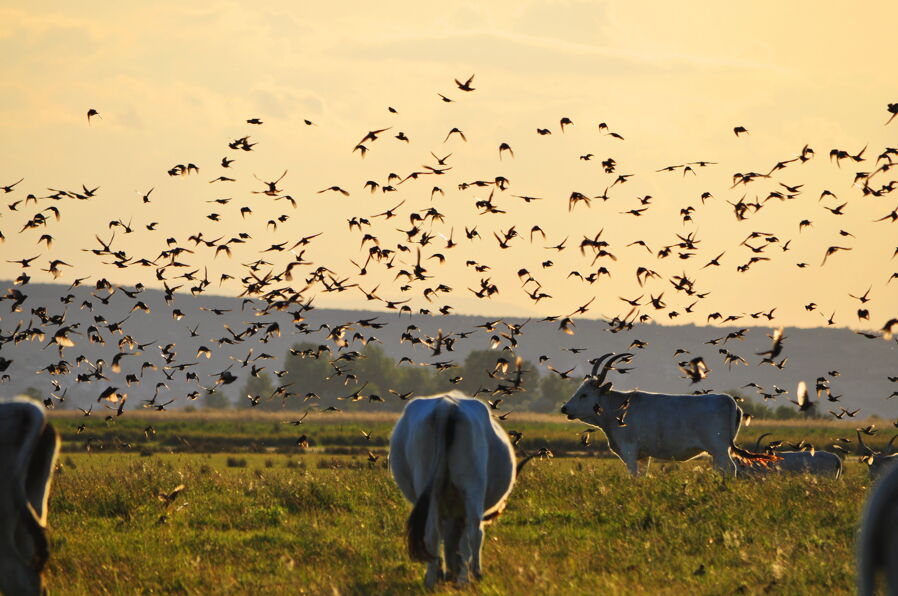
column 596, row 362
column 758, row 442
column 863, row 445
column 888, row 448
column 608, row 365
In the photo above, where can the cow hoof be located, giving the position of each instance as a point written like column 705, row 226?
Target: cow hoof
column 432, row 578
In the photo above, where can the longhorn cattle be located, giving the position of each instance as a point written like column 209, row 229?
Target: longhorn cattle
column 28, row 448
column 878, row 461
column 640, row 425
column 819, row 463
column 457, row 466
column 822, row 463
column 877, row 544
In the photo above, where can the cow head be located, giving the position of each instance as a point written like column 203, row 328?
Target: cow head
column 590, row 402
column 878, row 461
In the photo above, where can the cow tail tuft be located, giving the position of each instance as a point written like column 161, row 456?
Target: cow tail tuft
column 416, row 526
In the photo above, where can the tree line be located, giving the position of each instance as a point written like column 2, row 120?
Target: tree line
column 371, row 380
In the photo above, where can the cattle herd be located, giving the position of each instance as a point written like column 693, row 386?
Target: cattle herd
column 453, row 461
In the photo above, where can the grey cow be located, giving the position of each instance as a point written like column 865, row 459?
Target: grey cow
column 641, row 425
column 817, row 462
column 28, row 448
column 457, row 466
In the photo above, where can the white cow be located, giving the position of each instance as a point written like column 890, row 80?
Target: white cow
column 877, row 543
column 817, row 462
column 456, row 464
column 28, row 448
column 641, row 425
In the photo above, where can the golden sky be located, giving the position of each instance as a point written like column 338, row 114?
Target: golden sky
column 175, row 82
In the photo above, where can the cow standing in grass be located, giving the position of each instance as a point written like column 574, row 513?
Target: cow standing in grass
column 814, row 461
column 28, row 448
column 456, row 464
column 877, row 543
column 641, row 425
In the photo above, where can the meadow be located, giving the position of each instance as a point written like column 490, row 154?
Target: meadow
column 328, row 520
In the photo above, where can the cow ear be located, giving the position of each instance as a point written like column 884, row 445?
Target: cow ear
column 605, row 388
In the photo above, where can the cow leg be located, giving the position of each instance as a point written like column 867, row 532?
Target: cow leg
column 724, row 463
column 889, row 547
column 630, row 458
column 434, row 573
column 432, row 541
column 471, row 539
column 642, row 465
column 452, row 530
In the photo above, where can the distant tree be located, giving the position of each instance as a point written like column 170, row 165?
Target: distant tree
column 476, row 370
column 753, row 407
column 307, row 372
column 554, row 392
column 259, row 389
column 217, row 401
column 417, row 379
column 34, row 393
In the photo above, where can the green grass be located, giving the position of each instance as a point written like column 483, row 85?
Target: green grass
column 321, row 524
column 341, row 433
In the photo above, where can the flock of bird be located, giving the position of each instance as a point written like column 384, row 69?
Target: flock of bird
column 406, row 267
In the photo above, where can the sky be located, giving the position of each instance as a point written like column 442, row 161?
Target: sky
column 175, row 82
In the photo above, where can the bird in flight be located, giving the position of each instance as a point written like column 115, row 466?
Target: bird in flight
column 466, row 86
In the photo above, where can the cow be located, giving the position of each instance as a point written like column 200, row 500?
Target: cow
column 640, row 425
column 878, row 461
column 822, row 463
column 819, row 463
column 28, row 449
column 454, row 462
column 877, row 543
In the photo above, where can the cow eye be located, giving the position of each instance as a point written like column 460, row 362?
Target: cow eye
column 582, row 395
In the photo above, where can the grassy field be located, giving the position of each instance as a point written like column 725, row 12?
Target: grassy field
column 310, row 521
column 342, row 433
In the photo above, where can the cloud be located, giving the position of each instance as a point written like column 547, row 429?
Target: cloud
column 533, row 54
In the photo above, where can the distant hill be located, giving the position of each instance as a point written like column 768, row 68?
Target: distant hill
column 863, row 364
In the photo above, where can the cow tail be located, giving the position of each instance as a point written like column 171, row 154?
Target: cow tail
column 420, row 517
column 520, row 465
column 743, row 456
